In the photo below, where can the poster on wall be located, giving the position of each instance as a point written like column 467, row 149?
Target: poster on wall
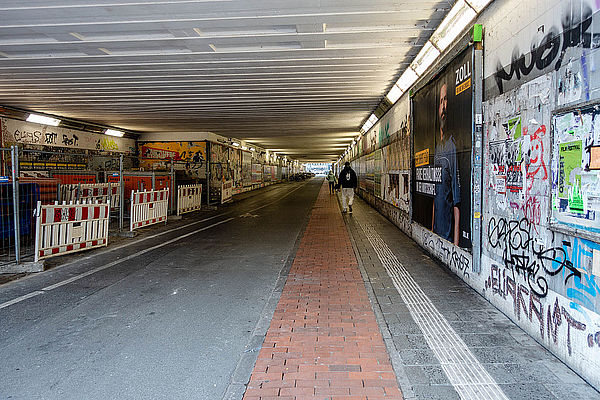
column 575, row 177
column 396, row 176
column 188, row 156
column 235, row 165
column 394, row 136
column 442, row 152
column 257, row 173
column 377, row 174
column 246, row 168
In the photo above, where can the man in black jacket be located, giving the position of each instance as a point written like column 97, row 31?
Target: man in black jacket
column 347, row 180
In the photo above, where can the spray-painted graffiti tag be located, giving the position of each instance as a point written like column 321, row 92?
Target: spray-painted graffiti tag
column 523, row 255
column 551, row 47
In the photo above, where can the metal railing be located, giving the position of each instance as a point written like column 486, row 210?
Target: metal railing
column 28, row 176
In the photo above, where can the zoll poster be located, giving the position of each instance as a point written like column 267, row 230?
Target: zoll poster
column 442, row 152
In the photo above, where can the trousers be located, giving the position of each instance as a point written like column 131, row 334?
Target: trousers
column 347, row 197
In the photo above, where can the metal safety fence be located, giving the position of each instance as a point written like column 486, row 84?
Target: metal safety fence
column 65, row 178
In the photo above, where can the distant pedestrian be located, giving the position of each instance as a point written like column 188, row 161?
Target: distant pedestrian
column 331, row 179
column 348, row 182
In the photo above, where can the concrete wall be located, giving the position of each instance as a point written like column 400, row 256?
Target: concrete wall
column 540, row 251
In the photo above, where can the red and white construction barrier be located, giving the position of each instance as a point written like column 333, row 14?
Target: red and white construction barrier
column 68, row 228
column 189, row 198
column 100, row 192
column 226, row 191
column 148, row 207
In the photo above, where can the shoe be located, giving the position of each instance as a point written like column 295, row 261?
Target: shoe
column 350, row 208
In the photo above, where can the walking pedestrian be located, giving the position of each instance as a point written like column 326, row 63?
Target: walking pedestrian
column 348, row 182
column 331, row 179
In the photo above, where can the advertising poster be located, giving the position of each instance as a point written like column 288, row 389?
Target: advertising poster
column 247, row 168
column 575, row 179
column 377, row 174
column 235, row 165
column 257, row 173
column 188, row 156
column 442, row 152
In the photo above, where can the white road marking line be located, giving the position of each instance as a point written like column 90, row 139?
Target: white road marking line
column 18, row 299
column 129, row 257
column 466, row 374
column 111, row 264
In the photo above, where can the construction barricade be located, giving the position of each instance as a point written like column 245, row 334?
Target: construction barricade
column 226, row 191
column 68, row 228
column 189, row 198
column 148, row 207
column 94, row 192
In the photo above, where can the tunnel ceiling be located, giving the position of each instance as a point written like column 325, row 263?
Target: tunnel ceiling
column 298, row 77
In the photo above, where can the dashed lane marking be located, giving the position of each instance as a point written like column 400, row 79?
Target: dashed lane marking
column 469, row 378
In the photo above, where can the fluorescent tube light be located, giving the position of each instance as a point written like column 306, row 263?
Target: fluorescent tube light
column 425, row 58
column 455, row 22
column 366, row 126
column 394, row 94
column 478, row 5
column 407, row 79
column 252, row 149
column 244, row 148
column 40, row 119
column 112, row 132
column 235, row 144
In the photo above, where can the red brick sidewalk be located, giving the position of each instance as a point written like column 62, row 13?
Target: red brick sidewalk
column 324, row 342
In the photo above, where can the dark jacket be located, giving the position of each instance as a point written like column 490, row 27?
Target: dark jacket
column 347, row 178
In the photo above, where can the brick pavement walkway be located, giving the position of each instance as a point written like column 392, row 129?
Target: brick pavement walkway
column 324, row 342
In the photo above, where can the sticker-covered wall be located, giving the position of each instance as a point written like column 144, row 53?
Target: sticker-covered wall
column 540, row 251
column 538, row 256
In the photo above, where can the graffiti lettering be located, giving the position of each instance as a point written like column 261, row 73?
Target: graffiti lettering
column 27, row 136
column 50, row 138
column 70, row 141
column 444, row 250
column 571, row 323
column 523, row 256
column 532, row 308
column 594, row 339
column 576, row 33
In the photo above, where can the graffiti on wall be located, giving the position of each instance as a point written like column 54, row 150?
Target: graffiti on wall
column 549, row 48
column 188, row 156
column 457, row 259
column 27, row 133
column 527, row 305
column 524, row 255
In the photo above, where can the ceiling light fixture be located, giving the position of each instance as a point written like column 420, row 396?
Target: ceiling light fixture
column 478, row 5
column 455, row 22
column 394, row 94
column 40, row 119
column 113, row 132
column 425, row 58
column 407, row 79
